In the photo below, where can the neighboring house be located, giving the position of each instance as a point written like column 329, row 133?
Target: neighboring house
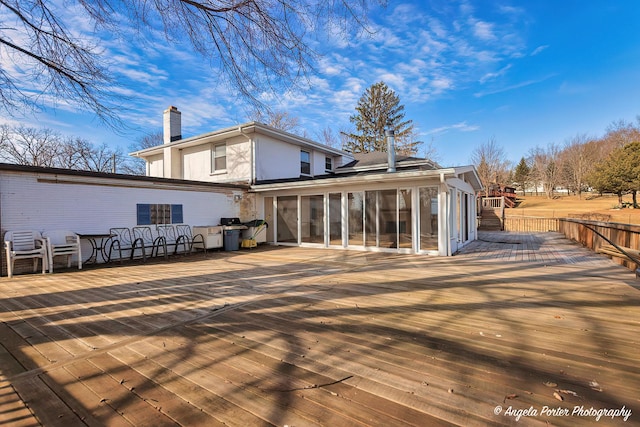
column 315, row 195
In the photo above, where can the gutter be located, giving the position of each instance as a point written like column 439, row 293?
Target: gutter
column 382, row 177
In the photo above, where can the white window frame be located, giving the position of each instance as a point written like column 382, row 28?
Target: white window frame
column 214, row 157
column 328, row 161
column 302, row 162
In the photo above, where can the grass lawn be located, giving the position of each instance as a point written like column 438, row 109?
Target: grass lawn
column 594, row 205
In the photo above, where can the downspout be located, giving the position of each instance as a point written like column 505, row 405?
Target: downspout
column 252, row 157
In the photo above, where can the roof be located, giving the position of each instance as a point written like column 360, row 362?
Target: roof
column 378, row 160
column 115, row 176
column 241, row 130
column 354, row 176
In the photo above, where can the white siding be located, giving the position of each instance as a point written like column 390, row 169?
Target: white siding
column 238, row 161
column 277, row 159
column 196, row 163
column 156, row 166
column 84, row 208
column 318, row 163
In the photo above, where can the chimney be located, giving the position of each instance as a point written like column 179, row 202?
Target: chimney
column 391, row 147
column 172, row 124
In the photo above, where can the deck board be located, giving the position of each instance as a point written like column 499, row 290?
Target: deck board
column 304, row 337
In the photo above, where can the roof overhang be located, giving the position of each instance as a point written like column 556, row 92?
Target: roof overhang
column 374, row 178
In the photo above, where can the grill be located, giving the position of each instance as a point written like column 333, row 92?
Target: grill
column 232, row 224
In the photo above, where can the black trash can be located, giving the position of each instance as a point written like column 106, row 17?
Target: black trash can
column 232, row 240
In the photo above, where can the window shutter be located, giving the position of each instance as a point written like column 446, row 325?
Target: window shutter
column 143, row 213
column 176, row 214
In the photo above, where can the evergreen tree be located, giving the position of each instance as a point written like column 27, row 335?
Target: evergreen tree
column 378, row 108
column 620, row 172
column 521, row 174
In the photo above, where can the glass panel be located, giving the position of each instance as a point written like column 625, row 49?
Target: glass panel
column 370, row 218
column 268, row 217
column 305, row 163
column 404, row 219
column 459, row 215
column 219, row 157
column 429, row 218
column 355, row 205
column 451, row 202
column 312, row 219
column 328, row 164
column 221, row 163
column 143, row 212
column 287, row 219
column 335, row 219
column 176, row 214
column 388, row 222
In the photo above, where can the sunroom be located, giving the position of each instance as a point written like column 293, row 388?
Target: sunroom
column 412, row 211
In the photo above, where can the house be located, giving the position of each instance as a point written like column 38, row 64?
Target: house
column 310, row 194
column 315, row 195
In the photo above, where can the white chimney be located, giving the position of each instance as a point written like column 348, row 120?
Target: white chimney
column 391, row 148
column 172, row 123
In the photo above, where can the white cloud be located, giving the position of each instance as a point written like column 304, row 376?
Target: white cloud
column 483, row 30
column 395, row 81
column 539, row 49
column 490, row 76
column 460, row 127
column 511, row 87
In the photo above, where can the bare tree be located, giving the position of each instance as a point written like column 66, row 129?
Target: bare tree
column 490, row 161
column 281, row 120
column 48, row 60
column 30, row 146
column 44, row 147
column 328, row 137
column 620, row 133
column 136, row 165
column 546, row 168
column 102, row 158
column 430, row 152
column 257, row 45
column 578, row 158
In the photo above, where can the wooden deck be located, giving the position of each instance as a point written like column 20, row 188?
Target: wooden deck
column 304, row 337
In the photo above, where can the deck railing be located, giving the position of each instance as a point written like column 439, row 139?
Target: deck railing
column 590, row 234
column 493, row 202
column 529, row 223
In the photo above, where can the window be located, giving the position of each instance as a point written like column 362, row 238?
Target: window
column 305, row 163
column 219, row 158
column 328, row 164
column 148, row 214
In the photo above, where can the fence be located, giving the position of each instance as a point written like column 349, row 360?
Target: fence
column 623, row 235
column 534, row 224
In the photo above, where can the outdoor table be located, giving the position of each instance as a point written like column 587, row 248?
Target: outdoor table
column 98, row 247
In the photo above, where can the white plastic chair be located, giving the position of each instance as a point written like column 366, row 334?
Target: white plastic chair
column 24, row 245
column 63, row 243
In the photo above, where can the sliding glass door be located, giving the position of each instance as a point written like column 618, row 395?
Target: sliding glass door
column 355, row 206
column 312, row 219
column 287, row 219
column 335, row 219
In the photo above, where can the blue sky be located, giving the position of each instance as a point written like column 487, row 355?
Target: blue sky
column 523, row 73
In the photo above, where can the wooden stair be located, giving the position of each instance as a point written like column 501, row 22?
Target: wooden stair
column 491, row 220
